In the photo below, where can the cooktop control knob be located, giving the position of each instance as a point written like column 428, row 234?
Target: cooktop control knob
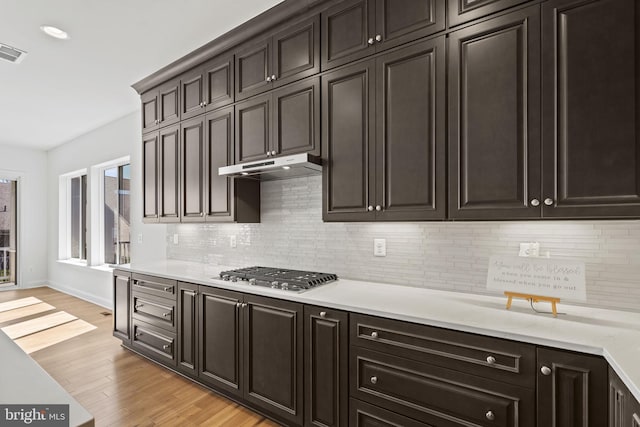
column 225, row 277
column 252, row 281
column 275, row 284
column 285, row 286
column 234, row 278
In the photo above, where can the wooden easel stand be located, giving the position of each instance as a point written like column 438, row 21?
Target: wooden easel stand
column 533, row 298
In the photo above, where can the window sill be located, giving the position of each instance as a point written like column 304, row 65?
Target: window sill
column 83, row 264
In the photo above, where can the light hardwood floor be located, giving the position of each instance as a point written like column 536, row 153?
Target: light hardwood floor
column 118, row 387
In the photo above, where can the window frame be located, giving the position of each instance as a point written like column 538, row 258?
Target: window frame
column 64, row 219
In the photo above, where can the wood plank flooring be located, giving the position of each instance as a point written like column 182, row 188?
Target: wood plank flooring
column 118, row 387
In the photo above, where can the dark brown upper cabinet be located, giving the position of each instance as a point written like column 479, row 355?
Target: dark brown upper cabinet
column 572, row 389
column 150, row 184
column 494, row 118
column 384, row 138
column 207, row 144
column 461, row 11
column 207, row 87
column 591, row 93
column 169, row 174
column 358, row 28
column 284, row 121
column 288, row 55
column 161, row 106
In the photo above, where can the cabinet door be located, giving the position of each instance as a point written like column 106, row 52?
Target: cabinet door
column 410, row 135
column 591, row 81
column 220, row 345
column 296, row 118
column 326, row 337
column 169, row 174
column 401, row 21
column 348, row 126
column 633, row 412
column 150, row 152
column 494, row 98
column 121, row 308
column 572, row 389
column 273, row 374
column 187, row 356
column 253, row 69
column 296, row 52
column 218, row 82
column 219, row 152
column 169, row 103
column 149, row 109
column 192, row 170
column 461, row 11
column 346, row 30
column 253, row 129
column 192, row 90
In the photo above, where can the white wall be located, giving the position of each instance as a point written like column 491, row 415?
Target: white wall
column 29, row 167
column 117, row 139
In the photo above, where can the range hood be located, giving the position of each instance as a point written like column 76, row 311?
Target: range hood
column 284, row 167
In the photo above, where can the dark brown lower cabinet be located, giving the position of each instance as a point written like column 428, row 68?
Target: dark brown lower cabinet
column 187, row 324
column 154, row 342
column 272, row 353
column 572, row 389
column 624, row 409
column 121, row 311
column 362, row 414
column 326, row 364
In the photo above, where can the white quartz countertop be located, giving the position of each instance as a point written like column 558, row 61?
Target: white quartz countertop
column 609, row 333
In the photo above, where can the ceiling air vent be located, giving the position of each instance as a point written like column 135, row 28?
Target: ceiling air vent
column 11, row 54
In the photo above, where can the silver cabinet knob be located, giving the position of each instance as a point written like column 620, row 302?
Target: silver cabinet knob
column 268, row 78
column 201, row 213
column 378, row 208
column 378, row 38
column 323, row 314
column 371, row 40
column 545, row 370
column 370, row 208
column 167, row 288
column 166, row 314
column 491, row 360
column 273, row 77
column 374, row 334
column 238, row 305
column 201, row 105
column 268, row 153
column 204, row 104
column 374, row 380
column 244, row 305
column 534, row 202
column 548, row 201
column 273, row 153
column 490, row 415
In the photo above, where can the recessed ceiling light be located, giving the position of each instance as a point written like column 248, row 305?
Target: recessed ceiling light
column 55, row 32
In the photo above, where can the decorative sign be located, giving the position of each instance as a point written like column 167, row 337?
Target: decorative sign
column 538, row 276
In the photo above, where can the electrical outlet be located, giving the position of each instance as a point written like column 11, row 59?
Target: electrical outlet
column 232, row 241
column 379, row 247
column 529, row 249
column 140, row 238
column 175, row 239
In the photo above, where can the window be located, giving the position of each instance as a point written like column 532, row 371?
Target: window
column 78, row 217
column 117, row 205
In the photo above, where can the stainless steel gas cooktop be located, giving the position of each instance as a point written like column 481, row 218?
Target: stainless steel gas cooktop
column 278, row 278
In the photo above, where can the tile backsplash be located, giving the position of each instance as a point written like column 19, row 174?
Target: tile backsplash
column 442, row 255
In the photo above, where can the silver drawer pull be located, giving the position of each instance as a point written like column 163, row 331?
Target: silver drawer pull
column 138, row 335
column 490, row 415
column 491, row 360
column 138, row 306
column 166, row 346
column 167, row 288
column 374, row 334
column 323, row 314
column 545, row 370
column 374, row 380
column 166, row 314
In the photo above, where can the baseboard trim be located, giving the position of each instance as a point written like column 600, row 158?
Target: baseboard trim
column 102, row 302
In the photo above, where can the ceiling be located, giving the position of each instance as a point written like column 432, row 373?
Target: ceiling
column 63, row 89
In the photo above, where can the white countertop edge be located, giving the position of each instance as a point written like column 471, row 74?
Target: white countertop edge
column 310, row 297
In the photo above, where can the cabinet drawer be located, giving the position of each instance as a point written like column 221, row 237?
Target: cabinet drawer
column 156, row 311
column 502, row 360
column 154, row 342
column 362, row 414
column 436, row 395
column 157, row 286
